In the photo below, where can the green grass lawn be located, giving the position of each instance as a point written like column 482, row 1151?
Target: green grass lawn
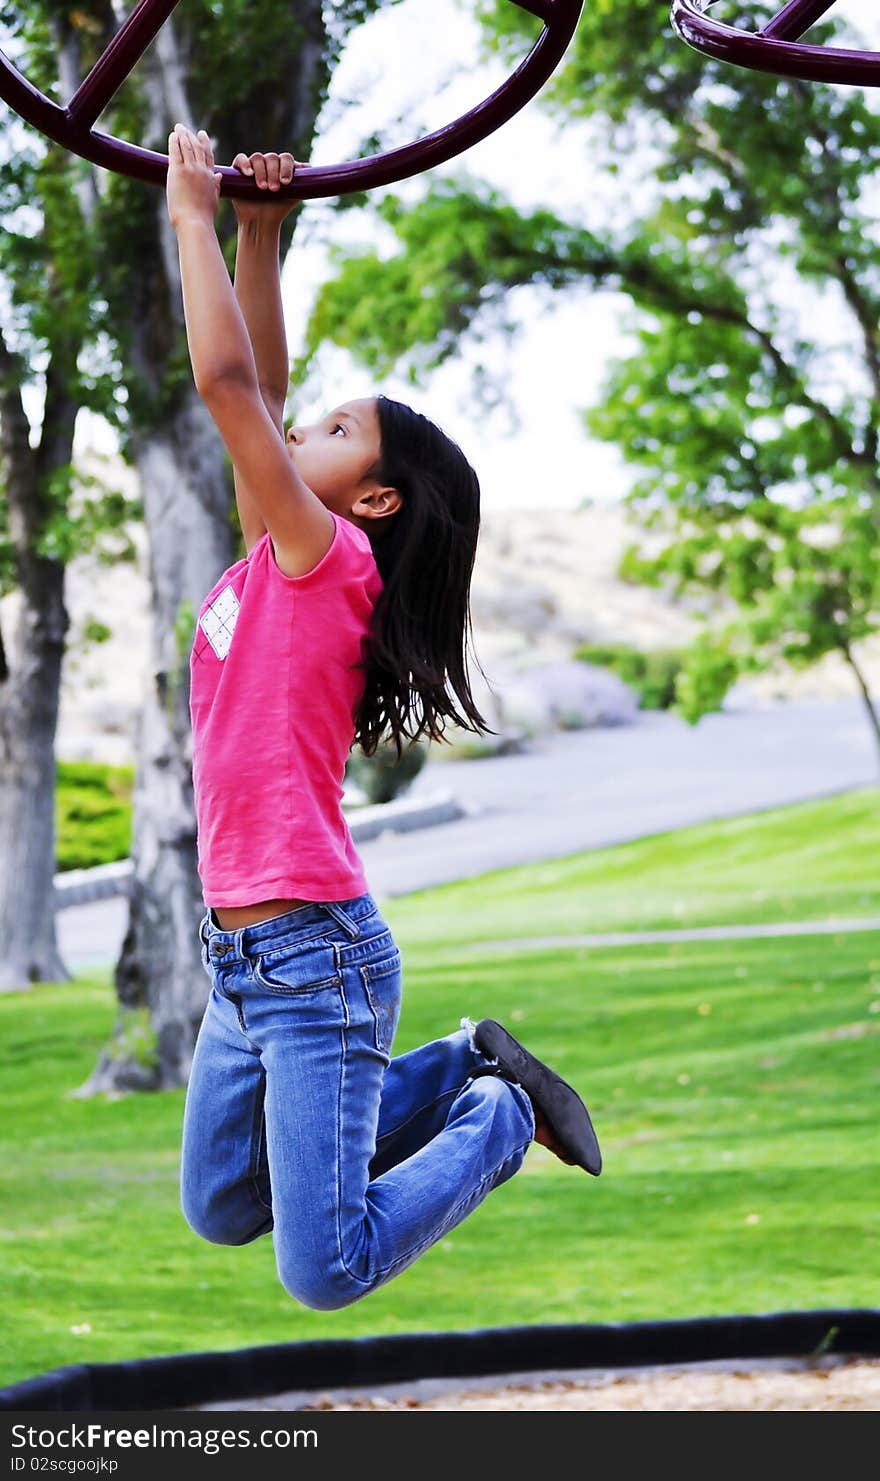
column 812, row 861
column 734, row 1089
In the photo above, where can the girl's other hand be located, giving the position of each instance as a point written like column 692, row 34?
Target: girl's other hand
column 270, row 171
column 192, row 189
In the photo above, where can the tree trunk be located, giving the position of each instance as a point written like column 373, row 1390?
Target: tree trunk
column 28, row 720
column 29, row 688
column 873, row 717
column 188, row 501
column 161, row 984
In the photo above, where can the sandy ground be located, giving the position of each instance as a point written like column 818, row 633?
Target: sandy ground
column 829, row 1384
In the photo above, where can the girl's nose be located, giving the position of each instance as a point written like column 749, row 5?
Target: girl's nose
column 294, row 435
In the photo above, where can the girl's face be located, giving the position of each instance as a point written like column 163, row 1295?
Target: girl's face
column 335, row 455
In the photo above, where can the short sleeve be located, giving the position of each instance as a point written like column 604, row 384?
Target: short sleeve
column 349, row 557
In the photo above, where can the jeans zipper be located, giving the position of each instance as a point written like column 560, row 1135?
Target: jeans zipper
column 236, row 1001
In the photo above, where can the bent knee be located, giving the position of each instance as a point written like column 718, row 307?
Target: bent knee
column 221, row 1225
column 509, row 1102
column 323, row 1290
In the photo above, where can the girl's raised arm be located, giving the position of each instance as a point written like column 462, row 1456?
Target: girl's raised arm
column 258, row 290
column 225, row 369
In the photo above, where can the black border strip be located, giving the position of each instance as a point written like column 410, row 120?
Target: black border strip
column 206, row 1377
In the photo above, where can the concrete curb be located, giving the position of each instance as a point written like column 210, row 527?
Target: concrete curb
column 83, row 886
column 402, row 815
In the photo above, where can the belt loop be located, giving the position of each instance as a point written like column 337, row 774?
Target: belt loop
column 203, row 935
column 349, row 926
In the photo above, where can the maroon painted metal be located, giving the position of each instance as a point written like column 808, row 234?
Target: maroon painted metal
column 776, row 48
column 73, row 127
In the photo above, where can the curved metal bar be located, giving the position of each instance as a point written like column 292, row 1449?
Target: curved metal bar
column 71, row 126
column 764, row 52
column 31, row 104
column 795, row 18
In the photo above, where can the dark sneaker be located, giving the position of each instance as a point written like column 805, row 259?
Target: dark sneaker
column 561, row 1106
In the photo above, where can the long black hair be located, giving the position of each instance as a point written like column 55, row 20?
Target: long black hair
column 417, row 648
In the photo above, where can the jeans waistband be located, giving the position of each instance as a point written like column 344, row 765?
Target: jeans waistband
column 304, row 921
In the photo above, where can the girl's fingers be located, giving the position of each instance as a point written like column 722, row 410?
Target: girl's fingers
column 187, row 148
column 186, row 144
column 270, row 171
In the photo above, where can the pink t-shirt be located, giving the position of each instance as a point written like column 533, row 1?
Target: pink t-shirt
column 273, row 699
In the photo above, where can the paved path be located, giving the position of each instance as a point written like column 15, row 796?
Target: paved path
column 519, row 944
column 583, row 790
column 589, row 789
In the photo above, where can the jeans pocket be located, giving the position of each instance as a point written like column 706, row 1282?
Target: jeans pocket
column 382, row 981
column 203, row 947
column 311, row 968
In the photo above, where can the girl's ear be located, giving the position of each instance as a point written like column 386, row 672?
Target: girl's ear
column 393, row 500
column 379, row 503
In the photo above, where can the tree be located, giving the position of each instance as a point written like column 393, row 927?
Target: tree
column 743, row 210
column 255, row 76
column 53, row 332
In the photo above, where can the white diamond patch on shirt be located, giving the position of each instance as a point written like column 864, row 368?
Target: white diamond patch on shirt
column 218, row 621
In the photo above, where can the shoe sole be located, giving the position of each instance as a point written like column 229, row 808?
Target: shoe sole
column 560, row 1103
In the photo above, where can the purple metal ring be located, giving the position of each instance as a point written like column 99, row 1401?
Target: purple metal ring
column 774, row 49
column 73, row 128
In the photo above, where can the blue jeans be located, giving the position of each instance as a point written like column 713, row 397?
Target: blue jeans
column 299, row 1123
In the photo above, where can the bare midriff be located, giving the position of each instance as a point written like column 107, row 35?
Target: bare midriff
column 249, row 915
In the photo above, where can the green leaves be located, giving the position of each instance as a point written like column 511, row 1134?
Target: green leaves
column 84, row 512
column 47, row 258
column 414, row 303
column 806, row 582
column 709, row 670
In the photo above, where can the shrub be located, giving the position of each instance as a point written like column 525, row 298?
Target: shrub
column 381, row 776
column 652, row 674
column 464, row 745
column 92, row 814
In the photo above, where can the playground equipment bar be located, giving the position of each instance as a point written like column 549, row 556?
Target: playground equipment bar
column 770, row 50
column 795, row 18
column 72, row 127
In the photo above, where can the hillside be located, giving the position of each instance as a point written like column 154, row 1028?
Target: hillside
column 544, row 581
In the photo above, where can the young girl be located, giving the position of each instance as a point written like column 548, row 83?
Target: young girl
column 346, row 620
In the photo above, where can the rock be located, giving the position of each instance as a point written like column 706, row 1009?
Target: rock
column 531, row 700
column 580, row 695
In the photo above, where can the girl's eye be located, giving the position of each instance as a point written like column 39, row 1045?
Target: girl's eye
column 338, row 428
